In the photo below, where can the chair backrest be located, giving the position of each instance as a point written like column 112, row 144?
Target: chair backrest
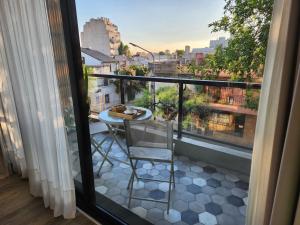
column 150, row 133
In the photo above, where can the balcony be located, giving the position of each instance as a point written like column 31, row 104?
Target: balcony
column 212, row 158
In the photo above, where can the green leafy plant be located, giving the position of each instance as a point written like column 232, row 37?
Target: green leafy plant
column 145, row 100
column 132, row 87
column 248, row 23
column 251, row 99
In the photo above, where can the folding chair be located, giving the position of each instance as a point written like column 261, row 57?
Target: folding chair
column 149, row 141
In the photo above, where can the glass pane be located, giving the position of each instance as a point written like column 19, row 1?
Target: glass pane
column 222, row 114
column 63, row 76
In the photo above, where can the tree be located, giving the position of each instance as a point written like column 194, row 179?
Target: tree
column 179, row 53
column 248, row 23
column 167, row 101
column 132, row 87
column 161, row 53
column 145, row 100
column 124, row 50
column 251, row 99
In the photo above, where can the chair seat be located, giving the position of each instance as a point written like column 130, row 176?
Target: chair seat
column 158, row 154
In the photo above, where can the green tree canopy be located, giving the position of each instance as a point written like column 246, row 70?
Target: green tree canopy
column 248, row 23
column 124, row 50
column 179, row 53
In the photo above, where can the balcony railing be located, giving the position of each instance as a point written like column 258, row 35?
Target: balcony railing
column 236, row 104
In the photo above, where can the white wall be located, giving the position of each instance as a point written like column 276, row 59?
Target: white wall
column 90, row 61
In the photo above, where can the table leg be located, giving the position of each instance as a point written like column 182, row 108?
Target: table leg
column 115, row 138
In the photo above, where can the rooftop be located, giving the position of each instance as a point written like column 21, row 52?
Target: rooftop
column 98, row 55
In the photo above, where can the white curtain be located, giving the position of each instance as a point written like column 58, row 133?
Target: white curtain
column 27, row 64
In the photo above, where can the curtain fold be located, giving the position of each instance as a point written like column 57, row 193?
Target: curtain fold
column 28, row 52
column 275, row 123
column 10, row 135
column 288, row 185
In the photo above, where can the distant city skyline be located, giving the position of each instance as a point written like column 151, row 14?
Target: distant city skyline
column 157, row 25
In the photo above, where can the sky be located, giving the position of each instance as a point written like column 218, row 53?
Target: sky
column 157, row 25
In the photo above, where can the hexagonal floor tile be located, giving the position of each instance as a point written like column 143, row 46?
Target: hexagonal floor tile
column 223, row 191
column 138, row 185
column 112, row 191
column 203, row 198
column 119, row 199
column 185, row 196
column 151, row 185
column 148, row 204
column 209, row 169
column 199, row 181
column 239, row 192
column 218, row 176
column 193, row 188
column 101, row 189
column 231, row 177
column 124, row 166
column 189, row 217
column 186, row 180
column 213, row 208
column 209, row 190
column 146, row 176
column 245, row 200
column 197, row 206
column 147, row 166
column 179, row 173
column 234, row 200
column 243, row 210
column 218, row 199
column 231, row 210
column 157, row 194
column 224, row 219
column 173, row 216
column 207, row 219
column 180, row 205
column 228, row 184
column 155, row 214
column 169, row 167
column 213, row 183
column 164, row 187
column 140, row 211
column 154, row 172
column 196, row 169
column 242, row 185
column 141, row 171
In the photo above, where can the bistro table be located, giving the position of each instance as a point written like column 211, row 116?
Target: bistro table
column 113, row 123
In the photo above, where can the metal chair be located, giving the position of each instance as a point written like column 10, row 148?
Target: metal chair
column 98, row 128
column 150, row 141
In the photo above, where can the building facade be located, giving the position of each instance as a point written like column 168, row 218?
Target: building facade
column 102, row 91
column 102, row 35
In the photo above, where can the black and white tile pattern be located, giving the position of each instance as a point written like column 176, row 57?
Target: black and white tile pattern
column 204, row 194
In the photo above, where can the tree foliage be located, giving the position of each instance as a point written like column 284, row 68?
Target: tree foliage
column 179, row 53
column 248, row 23
column 132, row 87
column 124, row 50
column 145, row 100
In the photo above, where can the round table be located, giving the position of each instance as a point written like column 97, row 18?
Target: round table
column 111, row 120
column 111, row 123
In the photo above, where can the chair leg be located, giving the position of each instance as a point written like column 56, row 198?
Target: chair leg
column 130, row 192
column 170, row 186
column 132, row 180
column 173, row 174
column 129, row 182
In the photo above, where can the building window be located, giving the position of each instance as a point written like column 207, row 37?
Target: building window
column 107, row 98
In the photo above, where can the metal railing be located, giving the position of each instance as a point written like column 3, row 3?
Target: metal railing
column 181, row 82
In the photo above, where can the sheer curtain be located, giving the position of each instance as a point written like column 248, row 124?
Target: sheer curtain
column 28, row 61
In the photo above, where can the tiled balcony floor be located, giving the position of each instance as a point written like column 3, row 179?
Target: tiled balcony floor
column 204, row 194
